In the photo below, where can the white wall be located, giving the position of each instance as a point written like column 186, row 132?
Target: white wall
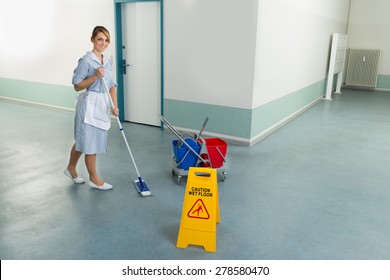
column 369, row 27
column 293, row 41
column 210, row 51
column 210, row 45
column 42, row 40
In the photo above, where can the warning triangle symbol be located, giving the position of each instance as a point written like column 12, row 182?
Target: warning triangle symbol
column 199, row 211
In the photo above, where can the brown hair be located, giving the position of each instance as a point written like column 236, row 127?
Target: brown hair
column 102, row 29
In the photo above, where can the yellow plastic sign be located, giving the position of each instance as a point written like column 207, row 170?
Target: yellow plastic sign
column 200, row 212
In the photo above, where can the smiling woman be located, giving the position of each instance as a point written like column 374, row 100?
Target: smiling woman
column 25, row 33
column 92, row 119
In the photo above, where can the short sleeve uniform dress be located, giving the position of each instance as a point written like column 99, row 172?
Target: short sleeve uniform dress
column 91, row 138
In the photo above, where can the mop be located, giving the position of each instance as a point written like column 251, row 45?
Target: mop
column 139, row 184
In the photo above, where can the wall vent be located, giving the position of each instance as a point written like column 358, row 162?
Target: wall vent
column 363, row 67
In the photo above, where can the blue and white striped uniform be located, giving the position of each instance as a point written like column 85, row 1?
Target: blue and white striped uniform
column 90, row 139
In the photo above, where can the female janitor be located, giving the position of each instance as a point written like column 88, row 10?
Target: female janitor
column 92, row 117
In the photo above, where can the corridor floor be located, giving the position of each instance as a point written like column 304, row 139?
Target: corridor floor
column 317, row 188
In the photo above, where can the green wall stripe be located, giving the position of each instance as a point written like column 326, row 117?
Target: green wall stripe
column 269, row 114
column 54, row 95
column 222, row 120
column 383, row 81
column 243, row 123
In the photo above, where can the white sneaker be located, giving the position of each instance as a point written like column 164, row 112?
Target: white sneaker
column 104, row 187
column 76, row 180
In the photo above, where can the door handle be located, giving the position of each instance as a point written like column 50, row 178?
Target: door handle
column 124, row 65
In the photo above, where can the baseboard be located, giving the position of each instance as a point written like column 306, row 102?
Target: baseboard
column 228, row 138
column 252, row 141
column 281, row 123
column 15, row 100
column 366, row 88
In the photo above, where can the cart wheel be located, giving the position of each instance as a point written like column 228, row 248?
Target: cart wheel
column 223, row 176
column 179, row 180
column 173, row 171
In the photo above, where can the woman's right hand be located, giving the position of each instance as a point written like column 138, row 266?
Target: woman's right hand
column 100, row 72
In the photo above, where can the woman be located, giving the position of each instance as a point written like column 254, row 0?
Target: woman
column 92, row 118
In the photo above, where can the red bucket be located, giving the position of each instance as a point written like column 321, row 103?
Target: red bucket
column 216, row 148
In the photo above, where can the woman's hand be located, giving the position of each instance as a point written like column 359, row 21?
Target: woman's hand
column 100, row 72
column 115, row 112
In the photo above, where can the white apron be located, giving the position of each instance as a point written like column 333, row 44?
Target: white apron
column 98, row 110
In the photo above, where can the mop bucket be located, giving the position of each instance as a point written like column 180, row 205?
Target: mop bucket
column 216, row 148
column 183, row 157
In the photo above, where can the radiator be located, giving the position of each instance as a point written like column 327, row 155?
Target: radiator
column 363, row 66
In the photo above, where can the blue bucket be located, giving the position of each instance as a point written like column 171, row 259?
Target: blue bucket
column 189, row 160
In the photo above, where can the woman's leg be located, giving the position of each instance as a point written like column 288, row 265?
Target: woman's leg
column 73, row 160
column 90, row 162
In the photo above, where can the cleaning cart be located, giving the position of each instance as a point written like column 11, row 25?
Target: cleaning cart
column 195, row 151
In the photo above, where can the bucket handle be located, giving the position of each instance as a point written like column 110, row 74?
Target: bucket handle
column 220, row 153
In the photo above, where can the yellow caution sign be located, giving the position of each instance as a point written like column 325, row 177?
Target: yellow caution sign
column 200, row 212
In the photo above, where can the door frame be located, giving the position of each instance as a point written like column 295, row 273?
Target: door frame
column 119, row 53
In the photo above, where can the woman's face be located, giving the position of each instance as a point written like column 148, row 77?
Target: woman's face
column 100, row 42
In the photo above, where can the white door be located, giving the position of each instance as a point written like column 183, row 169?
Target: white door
column 141, row 50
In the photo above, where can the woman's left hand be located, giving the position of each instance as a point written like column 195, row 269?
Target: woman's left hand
column 115, row 111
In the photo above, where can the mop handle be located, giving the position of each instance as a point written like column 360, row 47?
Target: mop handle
column 171, row 128
column 201, row 131
column 120, row 126
column 178, row 136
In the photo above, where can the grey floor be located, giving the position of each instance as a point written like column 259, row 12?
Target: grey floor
column 318, row 188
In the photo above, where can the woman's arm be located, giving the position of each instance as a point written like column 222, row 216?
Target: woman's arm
column 90, row 80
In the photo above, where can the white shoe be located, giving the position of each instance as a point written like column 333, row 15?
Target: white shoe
column 104, row 187
column 76, row 180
